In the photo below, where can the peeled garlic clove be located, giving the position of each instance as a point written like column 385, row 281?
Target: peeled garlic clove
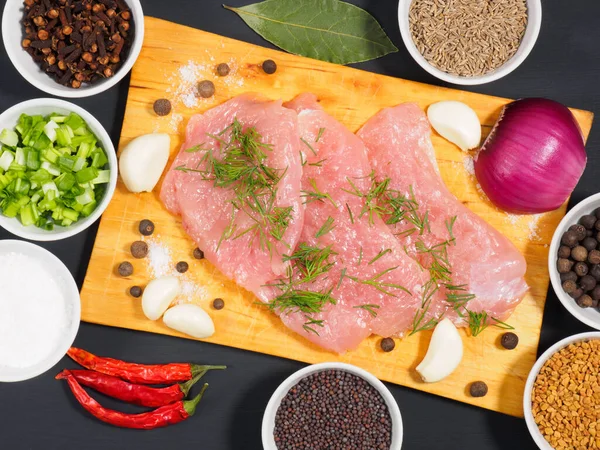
column 189, row 319
column 455, row 122
column 444, row 353
column 143, row 160
column 158, row 295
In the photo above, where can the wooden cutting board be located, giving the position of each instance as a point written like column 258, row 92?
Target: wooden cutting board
column 172, row 60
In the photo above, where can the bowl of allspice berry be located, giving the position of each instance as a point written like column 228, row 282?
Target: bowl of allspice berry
column 562, row 395
column 73, row 48
column 574, row 261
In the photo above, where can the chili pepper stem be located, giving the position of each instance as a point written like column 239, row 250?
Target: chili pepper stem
column 185, row 387
column 196, row 369
column 190, row 405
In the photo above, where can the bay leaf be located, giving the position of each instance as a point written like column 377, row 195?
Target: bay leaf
column 329, row 30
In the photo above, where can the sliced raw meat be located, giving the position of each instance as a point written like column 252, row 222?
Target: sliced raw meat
column 333, row 156
column 481, row 260
column 207, row 209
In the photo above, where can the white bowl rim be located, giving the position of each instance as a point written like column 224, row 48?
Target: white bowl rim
column 294, row 378
column 60, row 351
column 529, row 419
column 86, row 91
column 17, row 228
column 567, row 301
column 508, row 67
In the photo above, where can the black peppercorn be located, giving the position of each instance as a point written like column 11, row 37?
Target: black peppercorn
column 478, row 389
column 206, row 89
column 135, row 291
column 569, row 286
column 588, row 221
column 125, row 269
column 569, row 276
column 594, row 257
column 581, row 269
column 509, row 340
column 595, row 272
column 218, row 303
column 198, row 254
column 564, row 265
column 569, row 239
column 564, row 251
column 146, row 227
column 269, row 66
column 387, row 344
column 579, row 231
column 579, row 253
column 587, row 283
column 596, row 293
column 589, row 243
column 182, row 267
column 576, row 293
column 223, row 70
column 139, row 249
column 162, row 107
column 585, row 301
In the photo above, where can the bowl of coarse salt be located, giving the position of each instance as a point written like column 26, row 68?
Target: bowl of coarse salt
column 39, row 310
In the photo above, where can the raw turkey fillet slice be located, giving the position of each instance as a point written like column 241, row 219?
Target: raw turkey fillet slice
column 483, row 260
column 340, row 155
column 206, row 210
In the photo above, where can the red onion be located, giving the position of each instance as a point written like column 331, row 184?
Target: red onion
column 533, row 157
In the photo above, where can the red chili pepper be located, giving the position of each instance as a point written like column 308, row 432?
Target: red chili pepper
column 131, row 393
column 139, row 373
column 160, row 417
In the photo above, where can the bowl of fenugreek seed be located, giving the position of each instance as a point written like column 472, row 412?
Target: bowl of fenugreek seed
column 562, row 395
column 469, row 42
column 73, row 48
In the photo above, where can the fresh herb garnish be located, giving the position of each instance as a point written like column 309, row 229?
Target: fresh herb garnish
column 380, row 254
column 350, row 214
column 310, row 262
column 382, row 286
column 429, row 290
column 310, row 322
column 320, row 134
column 309, row 146
column 305, row 301
column 326, row 228
column 318, row 163
column 316, row 194
column 370, row 308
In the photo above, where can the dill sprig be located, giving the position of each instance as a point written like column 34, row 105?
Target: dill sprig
column 279, row 218
column 479, row 321
column 318, row 163
column 458, row 297
column 320, row 134
column 310, row 262
column 370, row 308
column 304, row 141
column 310, row 322
column 316, row 194
column 381, row 286
column 326, row 228
column 371, row 205
column 350, row 214
column 301, row 300
column 418, row 324
column 380, row 254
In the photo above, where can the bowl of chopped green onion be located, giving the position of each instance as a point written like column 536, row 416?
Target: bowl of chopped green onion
column 58, row 169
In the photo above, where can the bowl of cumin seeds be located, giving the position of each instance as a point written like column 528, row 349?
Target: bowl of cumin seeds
column 469, row 42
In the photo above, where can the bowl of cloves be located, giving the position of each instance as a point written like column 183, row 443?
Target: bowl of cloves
column 73, row 48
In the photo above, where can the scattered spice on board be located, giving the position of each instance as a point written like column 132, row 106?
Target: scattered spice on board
column 139, row 249
column 77, row 42
column 269, row 66
column 467, row 37
column 206, row 89
column 135, row 291
column 565, row 400
column 125, row 269
column 478, row 389
column 146, row 227
column 509, row 341
column 333, row 409
column 223, row 69
column 387, row 344
column 162, row 107
column 218, row 303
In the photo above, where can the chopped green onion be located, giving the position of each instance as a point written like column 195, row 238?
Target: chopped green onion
column 6, row 160
column 103, row 177
column 9, row 137
column 51, row 168
column 87, row 174
column 50, row 130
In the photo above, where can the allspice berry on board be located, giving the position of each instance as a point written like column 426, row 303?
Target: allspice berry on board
column 162, row 107
column 139, row 249
column 206, row 89
column 569, row 238
column 579, row 253
column 478, row 389
column 387, row 344
column 223, row 70
column 509, row 340
column 146, row 227
column 218, row 303
column 269, row 66
column 182, row 267
column 135, row 291
column 198, row 254
column 125, row 269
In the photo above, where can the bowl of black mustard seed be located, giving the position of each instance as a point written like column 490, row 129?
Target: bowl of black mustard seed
column 333, row 406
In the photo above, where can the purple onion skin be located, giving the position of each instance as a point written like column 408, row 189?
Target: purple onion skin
column 533, row 157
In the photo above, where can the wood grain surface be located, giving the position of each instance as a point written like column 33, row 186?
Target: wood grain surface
column 172, row 59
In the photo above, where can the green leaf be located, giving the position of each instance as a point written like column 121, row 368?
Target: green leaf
column 329, row 30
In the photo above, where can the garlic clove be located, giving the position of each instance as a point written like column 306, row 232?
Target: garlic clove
column 444, row 354
column 158, row 295
column 455, row 122
column 143, row 160
column 189, row 319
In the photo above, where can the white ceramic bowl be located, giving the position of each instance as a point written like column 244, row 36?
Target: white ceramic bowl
column 539, row 439
column 268, row 423
column 66, row 283
column 12, row 35
column 44, row 106
column 589, row 316
column 531, row 34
